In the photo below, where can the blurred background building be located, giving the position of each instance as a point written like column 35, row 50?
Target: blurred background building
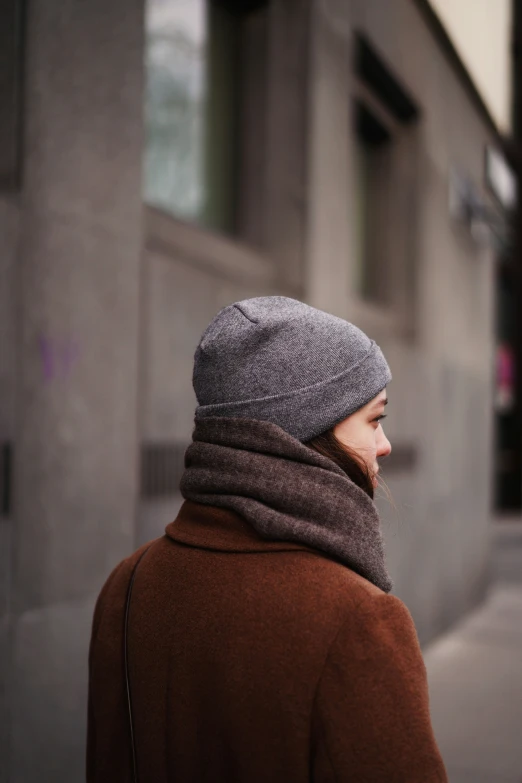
column 349, row 154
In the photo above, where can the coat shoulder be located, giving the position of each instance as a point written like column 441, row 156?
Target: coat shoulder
column 330, row 578
column 304, row 585
column 377, row 615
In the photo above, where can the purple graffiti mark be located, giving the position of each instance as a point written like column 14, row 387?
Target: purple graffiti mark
column 47, row 352
column 58, row 357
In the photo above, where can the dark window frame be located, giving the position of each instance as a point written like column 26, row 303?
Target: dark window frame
column 12, row 35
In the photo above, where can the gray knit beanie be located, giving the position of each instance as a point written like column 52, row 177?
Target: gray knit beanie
column 279, row 360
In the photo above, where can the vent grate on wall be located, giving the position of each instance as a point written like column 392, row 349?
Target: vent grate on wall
column 162, row 465
column 403, row 458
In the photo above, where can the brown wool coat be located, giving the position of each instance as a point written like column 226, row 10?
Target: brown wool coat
column 255, row 661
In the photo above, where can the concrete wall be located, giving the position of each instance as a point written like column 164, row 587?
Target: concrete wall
column 189, row 276
column 75, row 411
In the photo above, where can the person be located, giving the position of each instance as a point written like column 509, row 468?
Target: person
column 257, row 640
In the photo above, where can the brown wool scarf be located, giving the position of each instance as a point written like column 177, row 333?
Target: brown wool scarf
column 285, row 490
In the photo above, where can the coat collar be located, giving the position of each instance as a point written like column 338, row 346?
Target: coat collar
column 209, row 527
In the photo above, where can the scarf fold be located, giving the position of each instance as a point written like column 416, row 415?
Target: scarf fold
column 285, row 490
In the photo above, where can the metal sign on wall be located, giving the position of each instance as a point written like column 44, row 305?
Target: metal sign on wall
column 500, row 178
column 11, row 92
column 482, row 218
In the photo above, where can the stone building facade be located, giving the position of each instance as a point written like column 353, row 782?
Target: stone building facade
column 325, row 176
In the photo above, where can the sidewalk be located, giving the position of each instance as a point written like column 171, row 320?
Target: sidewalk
column 475, row 676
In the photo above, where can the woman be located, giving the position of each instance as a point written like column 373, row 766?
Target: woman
column 256, row 641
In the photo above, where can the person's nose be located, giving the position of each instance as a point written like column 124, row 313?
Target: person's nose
column 383, row 444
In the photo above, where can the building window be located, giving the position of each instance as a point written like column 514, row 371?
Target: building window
column 385, row 175
column 373, row 158
column 194, row 95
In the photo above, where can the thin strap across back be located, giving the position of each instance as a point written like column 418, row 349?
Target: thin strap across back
column 126, row 663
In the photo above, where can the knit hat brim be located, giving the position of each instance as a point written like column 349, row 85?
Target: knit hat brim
column 326, row 403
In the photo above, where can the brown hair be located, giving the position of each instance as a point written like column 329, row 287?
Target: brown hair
column 331, row 447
